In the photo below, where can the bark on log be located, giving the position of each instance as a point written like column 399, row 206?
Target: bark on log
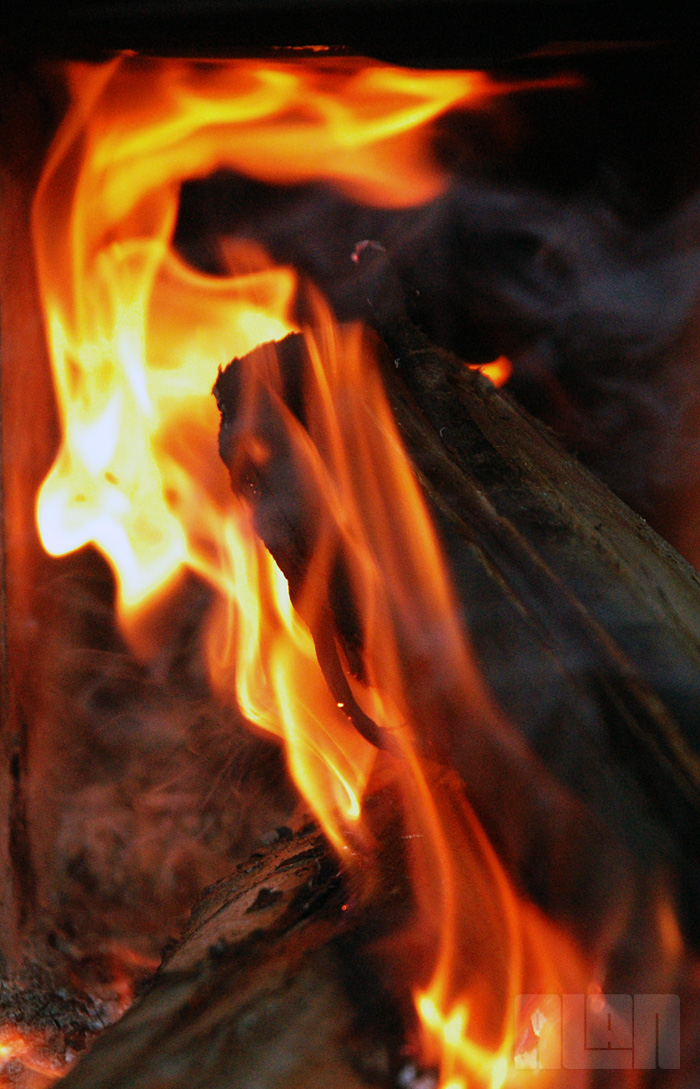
column 259, row 992
column 598, row 592
column 585, row 623
column 600, row 587
column 275, row 985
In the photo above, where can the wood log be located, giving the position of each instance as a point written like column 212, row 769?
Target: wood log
column 276, row 984
column 264, row 988
column 584, row 622
column 599, row 593
column 601, row 588
column 273, row 983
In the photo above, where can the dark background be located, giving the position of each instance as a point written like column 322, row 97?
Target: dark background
column 416, row 32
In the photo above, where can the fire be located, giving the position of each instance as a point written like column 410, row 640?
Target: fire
column 136, row 339
column 34, row 1053
column 498, row 371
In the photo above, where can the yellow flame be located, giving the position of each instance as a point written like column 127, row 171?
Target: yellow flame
column 136, row 338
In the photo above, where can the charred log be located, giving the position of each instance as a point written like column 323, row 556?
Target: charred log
column 262, row 989
column 583, row 620
column 575, row 558
column 278, row 983
column 600, row 593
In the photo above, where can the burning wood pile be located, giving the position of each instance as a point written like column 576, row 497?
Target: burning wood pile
column 359, row 751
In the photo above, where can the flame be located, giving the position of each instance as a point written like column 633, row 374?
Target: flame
column 497, row 371
column 135, row 335
column 136, row 339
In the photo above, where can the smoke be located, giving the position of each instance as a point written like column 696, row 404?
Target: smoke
column 143, row 790
column 547, row 245
column 567, row 238
column 597, row 315
column 584, row 268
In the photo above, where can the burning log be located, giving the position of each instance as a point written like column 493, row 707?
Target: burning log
column 259, row 991
column 603, row 592
column 583, row 620
column 276, row 981
column 354, row 667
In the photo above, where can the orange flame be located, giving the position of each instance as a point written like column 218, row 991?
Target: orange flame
column 136, row 339
column 134, row 335
column 498, row 371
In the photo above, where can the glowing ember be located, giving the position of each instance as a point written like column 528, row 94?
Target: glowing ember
column 498, row 371
column 136, row 339
column 34, row 1053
